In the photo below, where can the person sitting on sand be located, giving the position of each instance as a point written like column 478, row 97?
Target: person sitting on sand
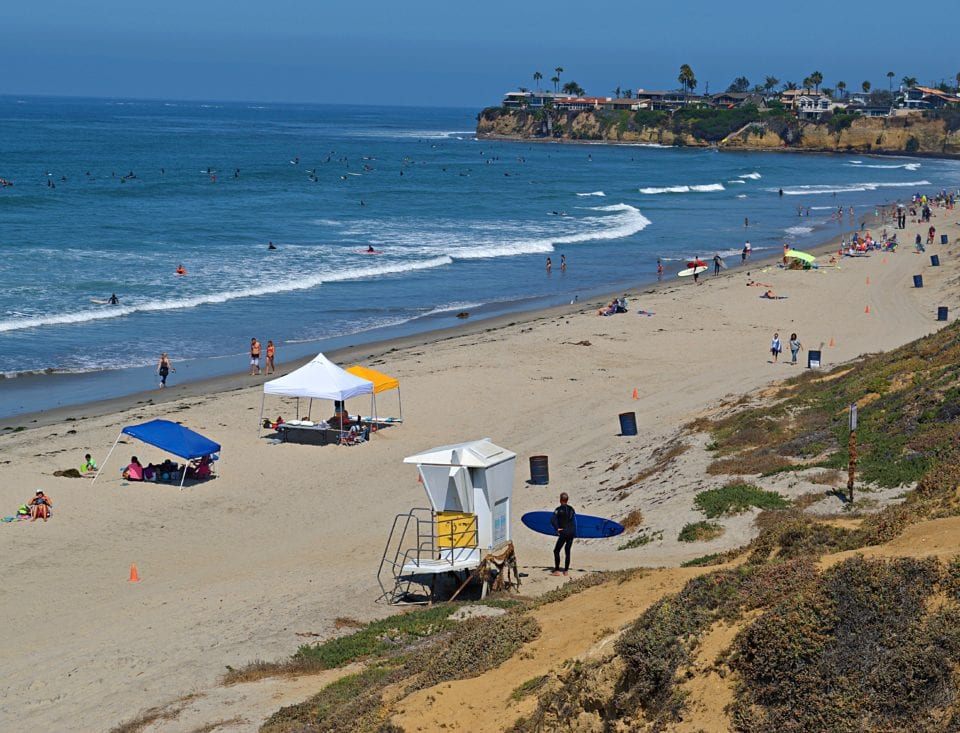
column 89, row 465
column 200, row 468
column 609, row 310
column 40, row 506
column 769, row 295
column 134, row 471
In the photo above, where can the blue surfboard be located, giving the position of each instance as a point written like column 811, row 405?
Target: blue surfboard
column 587, row 527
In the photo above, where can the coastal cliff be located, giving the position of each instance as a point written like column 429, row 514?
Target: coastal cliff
column 916, row 133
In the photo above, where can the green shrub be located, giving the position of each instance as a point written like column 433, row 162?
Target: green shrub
column 700, row 532
column 735, row 498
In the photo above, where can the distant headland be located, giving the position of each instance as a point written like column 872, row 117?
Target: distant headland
column 910, row 120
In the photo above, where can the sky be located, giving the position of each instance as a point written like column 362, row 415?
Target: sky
column 453, row 54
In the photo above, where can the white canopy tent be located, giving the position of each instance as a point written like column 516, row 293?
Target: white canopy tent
column 319, row 379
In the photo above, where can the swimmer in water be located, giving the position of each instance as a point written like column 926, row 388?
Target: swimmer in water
column 181, row 270
column 113, row 299
column 271, row 245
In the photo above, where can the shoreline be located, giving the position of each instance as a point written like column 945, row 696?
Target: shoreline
column 231, row 575
column 372, row 350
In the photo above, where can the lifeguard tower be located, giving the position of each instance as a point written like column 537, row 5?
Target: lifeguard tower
column 466, row 529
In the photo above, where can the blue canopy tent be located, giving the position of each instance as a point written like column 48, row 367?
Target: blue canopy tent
column 170, row 437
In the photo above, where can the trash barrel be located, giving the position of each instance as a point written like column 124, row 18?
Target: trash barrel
column 539, row 470
column 942, row 313
column 628, row 423
column 918, row 281
column 943, row 239
column 935, row 260
column 813, row 359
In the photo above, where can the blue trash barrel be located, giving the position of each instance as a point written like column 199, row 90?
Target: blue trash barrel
column 813, row 359
column 942, row 313
column 539, row 470
column 943, row 239
column 628, row 423
column 935, row 260
column 918, row 281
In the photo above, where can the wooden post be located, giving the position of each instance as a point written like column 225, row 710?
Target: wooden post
column 852, row 450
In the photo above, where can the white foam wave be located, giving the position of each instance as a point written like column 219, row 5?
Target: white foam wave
column 907, row 166
column 628, row 221
column 684, row 189
column 798, row 230
column 736, row 180
column 416, row 134
column 741, row 195
column 268, row 288
column 814, row 190
column 753, row 176
column 593, row 193
column 450, row 307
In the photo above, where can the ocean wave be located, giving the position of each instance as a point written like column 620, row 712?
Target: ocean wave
column 706, row 188
column 594, row 193
column 753, row 176
column 412, row 134
column 628, row 221
column 907, row 166
column 814, row 190
column 268, row 288
column 798, row 230
column 741, row 195
column 736, row 180
column 450, row 308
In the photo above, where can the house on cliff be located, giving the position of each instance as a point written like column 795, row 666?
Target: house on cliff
column 525, row 99
column 926, row 98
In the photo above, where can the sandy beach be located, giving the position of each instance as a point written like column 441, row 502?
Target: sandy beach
column 288, row 538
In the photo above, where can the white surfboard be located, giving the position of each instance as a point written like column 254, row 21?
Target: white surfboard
column 691, row 271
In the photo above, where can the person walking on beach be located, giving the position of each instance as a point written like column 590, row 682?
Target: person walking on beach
column 795, row 347
column 564, row 521
column 164, row 369
column 271, row 351
column 254, row 357
column 716, row 265
column 775, row 348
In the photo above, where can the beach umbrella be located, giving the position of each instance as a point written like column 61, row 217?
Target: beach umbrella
column 798, row 255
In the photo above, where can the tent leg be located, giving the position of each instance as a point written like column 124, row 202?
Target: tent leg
column 104, row 464
column 400, row 404
column 184, row 476
column 260, row 424
column 310, row 409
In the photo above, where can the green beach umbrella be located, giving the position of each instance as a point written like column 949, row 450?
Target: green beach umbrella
column 798, row 255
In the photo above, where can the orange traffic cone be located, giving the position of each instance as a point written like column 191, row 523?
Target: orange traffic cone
column 635, row 395
column 832, row 342
column 867, row 309
column 134, row 578
column 868, row 279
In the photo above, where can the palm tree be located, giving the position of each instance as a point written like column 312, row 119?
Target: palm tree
column 817, row 78
column 628, row 94
column 537, row 76
column 866, row 87
column 559, row 71
column 829, row 92
column 687, row 80
column 807, row 83
column 770, row 83
column 957, row 77
column 789, row 85
column 909, row 81
column 573, row 89
column 617, row 92
column 890, row 76
column 556, row 81
column 842, row 88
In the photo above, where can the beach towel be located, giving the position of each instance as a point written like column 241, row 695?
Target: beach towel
column 775, row 297
column 646, row 313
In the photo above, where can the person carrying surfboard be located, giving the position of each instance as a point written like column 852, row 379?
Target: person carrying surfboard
column 564, row 521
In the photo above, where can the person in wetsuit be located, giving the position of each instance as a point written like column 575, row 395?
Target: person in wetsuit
column 564, row 521
column 114, row 300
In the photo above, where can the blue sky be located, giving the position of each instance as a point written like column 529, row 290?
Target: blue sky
column 452, row 54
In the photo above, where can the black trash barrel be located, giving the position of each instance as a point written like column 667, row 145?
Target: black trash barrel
column 628, row 423
column 942, row 313
column 918, row 281
column 935, row 260
column 539, row 470
column 943, row 239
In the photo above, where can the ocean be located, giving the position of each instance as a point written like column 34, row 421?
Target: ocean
column 110, row 196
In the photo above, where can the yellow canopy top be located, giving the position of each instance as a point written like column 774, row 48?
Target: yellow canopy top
column 381, row 382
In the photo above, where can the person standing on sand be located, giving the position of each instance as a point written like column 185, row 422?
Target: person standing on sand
column 716, row 265
column 164, row 369
column 564, row 521
column 254, row 357
column 775, row 348
column 795, row 347
column 271, row 351
column 659, row 270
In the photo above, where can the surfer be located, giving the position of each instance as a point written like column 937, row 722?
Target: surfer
column 271, row 245
column 564, row 521
column 370, row 249
column 696, row 270
column 716, row 264
column 113, row 299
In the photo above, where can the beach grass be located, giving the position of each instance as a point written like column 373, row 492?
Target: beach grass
column 700, row 532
